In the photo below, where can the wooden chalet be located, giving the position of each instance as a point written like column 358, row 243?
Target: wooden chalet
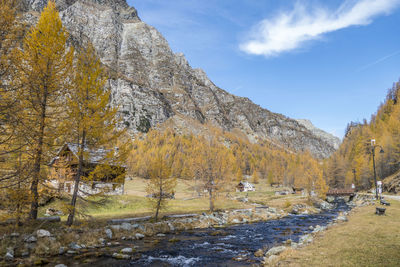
column 110, row 180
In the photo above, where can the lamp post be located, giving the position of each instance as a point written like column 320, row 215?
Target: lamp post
column 373, row 146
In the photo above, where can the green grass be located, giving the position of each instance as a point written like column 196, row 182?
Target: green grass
column 365, row 240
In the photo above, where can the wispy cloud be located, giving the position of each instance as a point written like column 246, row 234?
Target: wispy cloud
column 290, row 30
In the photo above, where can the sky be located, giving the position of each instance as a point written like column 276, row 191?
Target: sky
column 331, row 62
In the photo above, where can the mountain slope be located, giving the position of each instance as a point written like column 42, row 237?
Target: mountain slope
column 151, row 84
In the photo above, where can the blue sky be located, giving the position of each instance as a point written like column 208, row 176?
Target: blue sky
column 328, row 61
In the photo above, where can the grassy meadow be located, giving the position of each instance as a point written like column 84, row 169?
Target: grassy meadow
column 135, row 203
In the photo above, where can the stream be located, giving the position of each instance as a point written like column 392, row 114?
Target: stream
column 206, row 247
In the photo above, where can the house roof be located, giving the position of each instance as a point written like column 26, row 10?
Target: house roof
column 94, row 156
column 245, row 183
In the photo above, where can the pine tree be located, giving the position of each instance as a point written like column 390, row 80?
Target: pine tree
column 43, row 68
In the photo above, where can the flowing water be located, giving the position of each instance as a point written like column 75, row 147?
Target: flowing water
column 202, row 247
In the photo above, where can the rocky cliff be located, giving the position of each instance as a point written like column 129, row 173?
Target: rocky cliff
column 152, row 85
column 327, row 137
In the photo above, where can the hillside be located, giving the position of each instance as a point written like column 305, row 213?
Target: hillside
column 151, row 84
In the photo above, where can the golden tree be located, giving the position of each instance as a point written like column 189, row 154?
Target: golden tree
column 43, row 68
column 213, row 166
column 91, row 122
column 161, row 184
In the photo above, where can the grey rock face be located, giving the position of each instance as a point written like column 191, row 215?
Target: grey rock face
column 152, row 85
column 327, row 137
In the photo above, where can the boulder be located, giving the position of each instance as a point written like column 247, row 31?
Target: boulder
column 127, row 250
column 109, row 233
column 342, row 218
column 139, row 236
column 9, row 254
column 275, row 251
column 74, row 246
column 119, row 256
column 42, row 233
column 305, row 239
column 126, row 226
column 116, row 227
column 62, row 250
column 14, row 235
column 30, row 239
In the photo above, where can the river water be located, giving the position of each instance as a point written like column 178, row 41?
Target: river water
column 202, row 247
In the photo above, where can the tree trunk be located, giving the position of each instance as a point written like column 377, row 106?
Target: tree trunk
column 159, row 202
column 71, row 215
column 210, row 192
column 37, row 163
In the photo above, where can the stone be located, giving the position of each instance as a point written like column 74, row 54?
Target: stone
column 275, row 251
column 160, row 235
column 119, row 256
column 42, row 233
column 126, row 226
column 109, row 233
column 306, row 239
column 25, row 253
column 72, row 252
column 74, row 246
column 139, row 236
column 272, row 210
column 102, row 240
column 14, row 235
column 62, row 250
column 319, row 228
column 342, row 218
column 30, row 239
column 116, row 227
column 61, row 265
column 235, row 221
column 127, row 250
column 9, row 254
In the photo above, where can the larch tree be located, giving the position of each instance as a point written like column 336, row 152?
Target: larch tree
column 161, row 184
column 91, row 122
column 213, row 165
column 43, row 67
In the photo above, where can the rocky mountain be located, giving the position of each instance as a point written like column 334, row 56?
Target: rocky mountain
column 329, row 138
column 152, row 85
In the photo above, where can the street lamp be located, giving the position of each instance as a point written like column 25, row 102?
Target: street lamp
column 373, row 146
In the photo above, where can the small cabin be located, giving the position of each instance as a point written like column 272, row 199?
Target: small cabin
column 110, row 180
column 245, row 187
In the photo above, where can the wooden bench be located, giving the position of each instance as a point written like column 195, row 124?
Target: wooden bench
column 380, row 211
column 385, row 203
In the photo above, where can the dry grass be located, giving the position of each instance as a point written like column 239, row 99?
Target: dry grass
column 365, row 240
column 134, row 203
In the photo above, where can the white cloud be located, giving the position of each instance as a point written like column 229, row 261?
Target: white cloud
column 290, row 30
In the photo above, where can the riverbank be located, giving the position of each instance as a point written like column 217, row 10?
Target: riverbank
column 365, row 239
column 123, row 239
